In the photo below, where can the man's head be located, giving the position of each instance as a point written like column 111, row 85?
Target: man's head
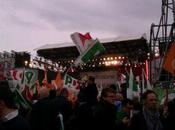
column 91, row 80
column 128, row 105
column 6, row 97
column 150, row 100
column 109, row 95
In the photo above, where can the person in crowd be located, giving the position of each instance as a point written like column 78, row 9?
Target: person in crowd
column 105, row 111
column 9, row 115
column 62, row 107
column 91, row 91
column 41, row 114
column 124, row 114
column 52, row 93
column 169, row 115
column 82, row 117
column 149, row 118
column 119, row 99
column 123, row 90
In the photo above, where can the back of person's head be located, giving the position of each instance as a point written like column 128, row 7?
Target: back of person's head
column 171, row 107
column 64, row 92
column 44, row 93
column 127, row 101
column 52, row 94
column 113, row 86
column 6, row 94
column 91, row 80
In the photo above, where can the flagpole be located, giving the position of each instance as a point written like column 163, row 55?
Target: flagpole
column 142, row 79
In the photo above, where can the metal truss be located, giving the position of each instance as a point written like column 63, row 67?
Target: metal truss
column 161, row 36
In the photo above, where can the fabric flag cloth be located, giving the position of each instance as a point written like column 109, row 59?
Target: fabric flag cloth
column 45, row 80
column 20, row 99
column 71, row 83
column 81, row 41
column 169, row 60
column 58, row 82
column 35, row 88
column 94, row 49
column 145, row 82
column 132, row 90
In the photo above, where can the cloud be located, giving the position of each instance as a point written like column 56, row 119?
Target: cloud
column 28, row 24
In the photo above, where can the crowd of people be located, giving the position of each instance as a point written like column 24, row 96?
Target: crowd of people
column 53, row 110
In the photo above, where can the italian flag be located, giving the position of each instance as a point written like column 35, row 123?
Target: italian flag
column 94, row 49
column 81, row 41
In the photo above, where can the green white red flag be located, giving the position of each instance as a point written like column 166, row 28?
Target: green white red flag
column 81, row 41
column 94, row 49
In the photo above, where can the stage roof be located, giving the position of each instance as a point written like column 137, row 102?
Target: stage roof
column 132, row 47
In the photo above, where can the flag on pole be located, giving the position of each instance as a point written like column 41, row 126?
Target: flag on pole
column 169, row 60
column 58, row 82
column 132, row 90
column 81, row 41
column 71, row 82
column 143, row 81
column 20, row 99
column 94, row 49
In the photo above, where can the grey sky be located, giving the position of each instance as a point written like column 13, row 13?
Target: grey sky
column 28, row 24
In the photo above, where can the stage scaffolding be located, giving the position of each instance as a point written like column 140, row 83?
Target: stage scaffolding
column 161, row 37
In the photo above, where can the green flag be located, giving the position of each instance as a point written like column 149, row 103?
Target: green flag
column 20, row 99
column 94, row 49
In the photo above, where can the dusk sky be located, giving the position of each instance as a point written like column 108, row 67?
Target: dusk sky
column 29, row 24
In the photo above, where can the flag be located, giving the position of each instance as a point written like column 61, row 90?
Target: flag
column 45, row 80
column 94, row 49
column 81, row 41
column 169, row 60
column 58, row 81
column 26, row 92
column 20, row 99
column 132, row 90
column 35, row 88
column 145, row 82
column 71, row 83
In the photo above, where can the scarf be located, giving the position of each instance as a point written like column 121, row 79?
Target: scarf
column 152, row 119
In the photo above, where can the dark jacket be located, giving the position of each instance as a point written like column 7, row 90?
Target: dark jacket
column 105, row 116
column 17, row 123
column 138, row 122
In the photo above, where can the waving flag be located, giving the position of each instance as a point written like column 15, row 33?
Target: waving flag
column 132, row 90
column 94, row 49
column 169, row 61
column 145, row 82
column 81, row 41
